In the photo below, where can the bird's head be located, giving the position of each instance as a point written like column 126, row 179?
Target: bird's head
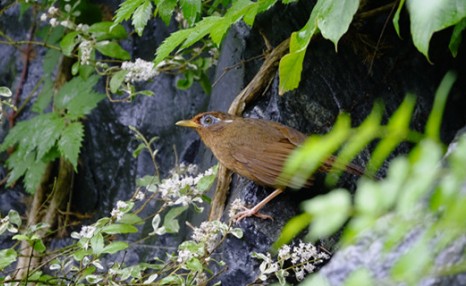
column 207, row 120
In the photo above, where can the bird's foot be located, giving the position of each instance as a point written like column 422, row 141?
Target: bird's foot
column 250, row 212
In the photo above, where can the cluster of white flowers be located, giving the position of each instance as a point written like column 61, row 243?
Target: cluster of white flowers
column 140, row 70
column 209, row 233
column 236, row 206
column 180, row 187
column 120, row 209
column 85, row 50
column 304, row 257
column 52, row 16
column 87, row 231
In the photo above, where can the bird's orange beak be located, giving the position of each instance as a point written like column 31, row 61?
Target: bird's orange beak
column 187, row 123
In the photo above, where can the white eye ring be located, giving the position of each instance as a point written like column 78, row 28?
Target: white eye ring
column 208, row 120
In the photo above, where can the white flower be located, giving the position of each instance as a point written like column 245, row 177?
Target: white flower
column 43, row 17
column 67, row 24
column 140, row 70
column 236, row 206
column 52, row 11
column 284, row 252
column 85, row 48
column 299, row 272
column 139, row 196
column 53, row 22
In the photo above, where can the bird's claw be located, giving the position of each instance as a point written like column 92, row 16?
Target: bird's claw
column 250, row 212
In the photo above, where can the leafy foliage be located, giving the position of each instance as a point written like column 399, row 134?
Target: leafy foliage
column 47, row 136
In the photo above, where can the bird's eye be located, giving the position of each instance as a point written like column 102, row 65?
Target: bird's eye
column 208, row 120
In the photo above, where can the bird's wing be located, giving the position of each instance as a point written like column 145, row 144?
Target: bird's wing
column 264, row 164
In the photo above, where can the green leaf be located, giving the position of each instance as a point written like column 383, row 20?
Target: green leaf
column 70, row 142
column 68, row 43
column 114, row 247
column 131, row 218
column 77, row 97
column 113, row 50
column 33, row 176
column 107, row 31
column 171, row 43
column 45, row 96
column 125, row 10
column 334, row 18
column 314, row 151
column 428, row 17
column 165, row 9
column 205, row 183
column 360, row 277
column 290, row 68
column 397, row 130
column 329, row 212
column 194, row 264
column 435, row 118
column 119, row 228
column 117, row 80
column 396, row 17
column 190, row 9
column 49, row 130
column 39, row 246
column 141, row 16
column 170, row 222
column 202, row 28
column 457, row 37
column 5, row 91
column 414, row 264
column 97, row 243
column 292, row 228
column 7, row 257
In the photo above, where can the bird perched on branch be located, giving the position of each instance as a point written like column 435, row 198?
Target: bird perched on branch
column 255, row 149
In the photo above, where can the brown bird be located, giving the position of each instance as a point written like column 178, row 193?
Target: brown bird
column 253, row 148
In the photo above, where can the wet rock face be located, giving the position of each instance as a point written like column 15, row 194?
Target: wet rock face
column 347, row 81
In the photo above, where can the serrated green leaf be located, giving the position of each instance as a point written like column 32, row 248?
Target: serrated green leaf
column 202, row 28
column 141, row 16
column 457, row 37
column 117, row 80
column 77, row 97
column 119, row 228
column 114, row 247
column 68, row 43
column 51, row 59
column 69, row 143
column 45, row 96
column 33, row 176
column 329, row 212
column 126, row 10
column 7, row 257
column 165, row 9
column 190, row 9
column 113, row 50
column 48, row 133
column 334, row 18
column 170, row 44
column 107, row 31
column 170, row 222
column 428, row 17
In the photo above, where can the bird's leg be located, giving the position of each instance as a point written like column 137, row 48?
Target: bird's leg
column 255, row 210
